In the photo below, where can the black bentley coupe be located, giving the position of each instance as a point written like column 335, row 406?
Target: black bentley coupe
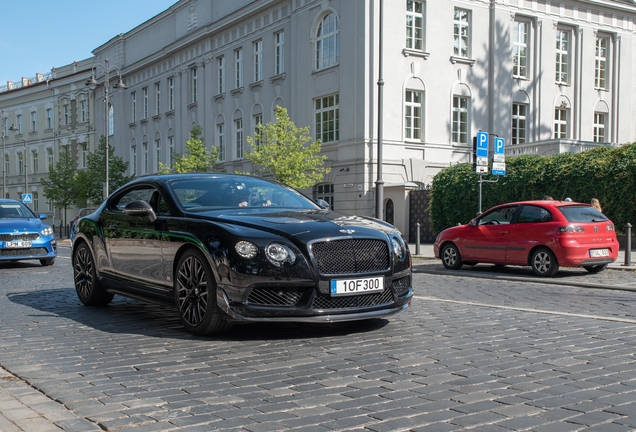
column 227, row 248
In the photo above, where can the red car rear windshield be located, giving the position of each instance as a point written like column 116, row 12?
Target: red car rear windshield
column 581, row 214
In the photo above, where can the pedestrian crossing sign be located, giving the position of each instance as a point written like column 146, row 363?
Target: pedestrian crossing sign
column 27, row 198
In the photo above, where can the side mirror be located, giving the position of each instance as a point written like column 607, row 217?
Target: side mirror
column 42, row 216
column 473, row 222
column 322, row 204
column 140, row 208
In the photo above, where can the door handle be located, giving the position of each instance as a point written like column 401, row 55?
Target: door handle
column 503, row 232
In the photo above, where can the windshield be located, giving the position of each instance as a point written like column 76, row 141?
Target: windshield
column 203, row 194
column 15, row 210
column 582, row 214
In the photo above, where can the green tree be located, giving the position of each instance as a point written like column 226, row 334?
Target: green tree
column 197, row 159
column 59, row 185
column 89, row 183
column 280, row 149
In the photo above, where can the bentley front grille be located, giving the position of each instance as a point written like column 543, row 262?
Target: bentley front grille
column 351, row 256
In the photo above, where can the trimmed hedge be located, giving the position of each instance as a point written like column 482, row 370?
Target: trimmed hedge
column 608, row 174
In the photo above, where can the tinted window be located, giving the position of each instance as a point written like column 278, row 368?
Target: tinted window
column 15, row 210
column 582, row 214
column 140, row 194
column 498, row 216
column 530, row 213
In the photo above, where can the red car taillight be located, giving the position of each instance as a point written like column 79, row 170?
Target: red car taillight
column 609, row 227
column 570, row 229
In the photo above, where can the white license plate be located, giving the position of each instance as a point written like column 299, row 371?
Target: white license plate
column 17, row 244
column 342, row 287
column 594, row 253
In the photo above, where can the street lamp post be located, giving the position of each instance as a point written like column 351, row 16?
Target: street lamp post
column 26, row 169
column 13, row 128
column 379, row 183
column 120, row 85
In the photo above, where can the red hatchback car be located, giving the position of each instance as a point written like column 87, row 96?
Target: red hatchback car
column 541, row 234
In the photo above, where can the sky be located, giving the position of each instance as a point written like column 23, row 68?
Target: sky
column 40, row 34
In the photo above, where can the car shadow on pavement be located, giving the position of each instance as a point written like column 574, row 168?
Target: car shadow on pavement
column 124, row 315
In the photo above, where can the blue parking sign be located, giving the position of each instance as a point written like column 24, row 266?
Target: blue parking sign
column 482, row 144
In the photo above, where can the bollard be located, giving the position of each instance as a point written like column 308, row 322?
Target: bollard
column 417, row 240
column 628, row 244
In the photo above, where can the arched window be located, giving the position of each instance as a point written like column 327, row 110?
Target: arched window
column 328, row 42
column 111, row 122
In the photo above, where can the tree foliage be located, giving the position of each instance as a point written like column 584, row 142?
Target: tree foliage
column 608, row 174
column 59, row 185
column 89, row 183
column 281, row 149
column 197, row 158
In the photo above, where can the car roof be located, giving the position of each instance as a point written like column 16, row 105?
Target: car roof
column 7, row 200
column 551, row 203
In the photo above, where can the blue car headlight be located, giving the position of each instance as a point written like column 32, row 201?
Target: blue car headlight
column 47, row 231
column 279, row 254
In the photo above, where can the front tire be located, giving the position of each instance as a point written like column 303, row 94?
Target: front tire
column 451, row 258
column 47, row 262
column 88, row 288
column 543, row 262
column 595, row 268
column 195, row 295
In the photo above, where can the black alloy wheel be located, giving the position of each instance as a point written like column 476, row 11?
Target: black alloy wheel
column 88, row 288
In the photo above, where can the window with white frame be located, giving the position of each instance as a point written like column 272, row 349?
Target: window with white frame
column 562, row 56
column 258, row 121
column 34, row 162
column 413, row 115
column 460, row 120
column 111, row 121
column 18, row 120
column 238, row 68
column 84, row 111
column 327, row 118
column 170, row 148
column 49, row 159
column 49, row 118
column 560, row 123
column 157, row 154
column 220, row 132
column 145, row 101
column 325, row 192
column 258, row 61
column 84, row 155
column 279, row 39
column 34, row 121
column 146, row 157
column 415, row 24
column 133, row 106
column 194, row 82
column 133, row 160
column 599, row 127
column 220, row 66
column 20, row 163
column 328, row 42
column 36, row 201
column 67, row 114
column 49, row 205
column 520, row 50
column 238, row 137
column 157, row 98
column 519, row 123
column 461, row 33
column 600, row 63
column 170, row 94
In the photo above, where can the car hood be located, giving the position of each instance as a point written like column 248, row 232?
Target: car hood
column 310, row 224
column 20, row 225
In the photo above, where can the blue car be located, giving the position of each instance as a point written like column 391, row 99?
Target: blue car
column 23, row 235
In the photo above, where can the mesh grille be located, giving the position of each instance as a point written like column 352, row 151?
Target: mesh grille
column 351, row 256
column 273, row 297
column 327, row 302
column 25, row 236
column 23, row 252
column 401, row 286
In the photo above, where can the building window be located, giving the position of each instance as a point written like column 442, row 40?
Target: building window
column 600, row 64
column 461, row 34
column 238, row 130
column 36, row 202
column 49, row 118
column 328, row 42
column 133, row 106
column 157, row 154
column 562, row 50
column 170, row 148
column 49, row 159
column 460, row 120
column 258, row 121
column 258, row 61
column 67, row 114
column 519, row 123
column 560, row 123
column 220, row 128
column 238, row 68
column 145, row 101
column 84, row 111
column 145, row 170
column 157, row 99
column 34, row 161
column 413, row 115
column 34, row 121
column 220, row 65
column 20, row 166
column 133, row 160
column 279, row 39
column 599, row 127
column 84, row 155
column 520, row 50
column 111, row 121
column 170, row 94
column 49, row 204
column 327, row 115
column 325, row 192
column 194, row 80
column 414, row 25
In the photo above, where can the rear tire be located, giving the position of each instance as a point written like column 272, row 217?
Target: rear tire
column 543, row 262
column 88, row 288
column 451, row 258
column 195, row 295
column 595, row 268
column 47, row 262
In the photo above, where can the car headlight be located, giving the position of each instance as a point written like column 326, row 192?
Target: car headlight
column 47, row 231
column 279, row 254
column 398, row 248
column 246, row 249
